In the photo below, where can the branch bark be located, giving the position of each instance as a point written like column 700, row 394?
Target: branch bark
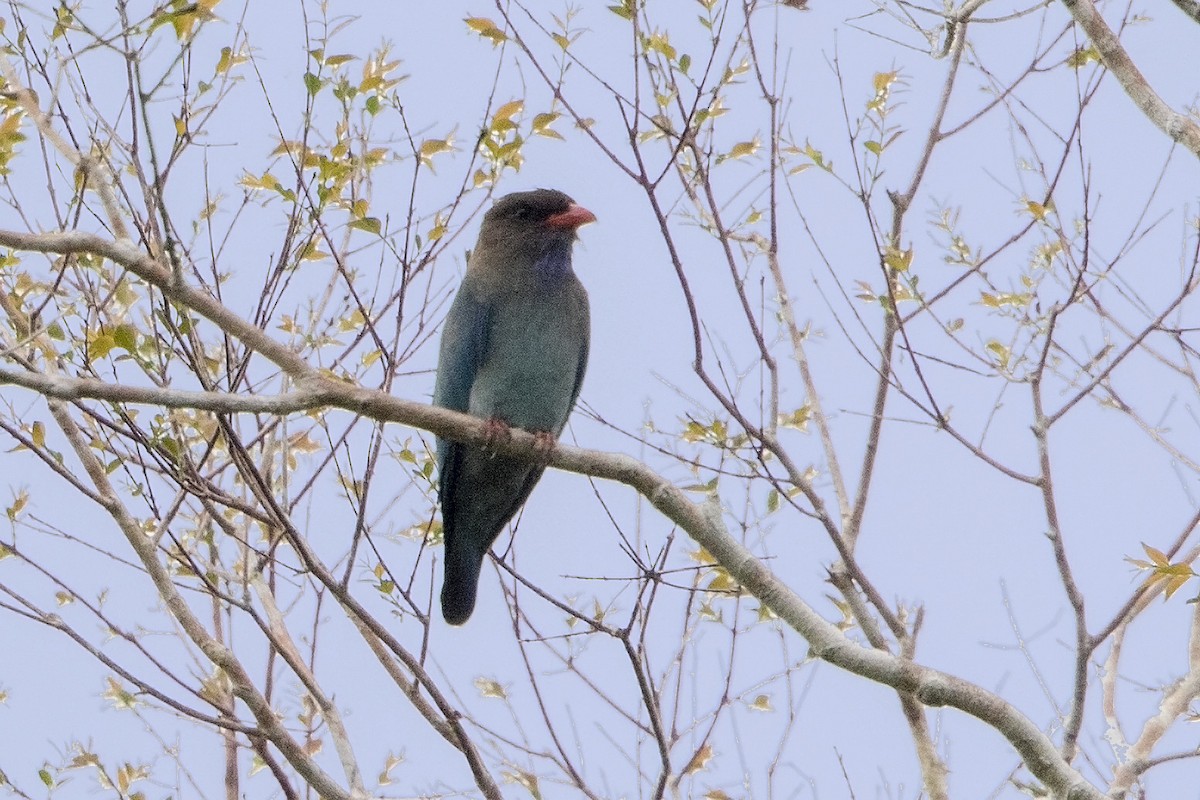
column 1181, row 129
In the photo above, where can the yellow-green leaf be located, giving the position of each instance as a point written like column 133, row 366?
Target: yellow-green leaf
column 527, row 780
column 506, row 112
column 1037, row 210
column 624, row 11
column 1001, row 352
column 542, row 123
column 721, row 582
column 486, row 29
column 1082, row 56
column 1162, row 572
column 899, row 260
column 228, row 60
column 883, row 81
column 491, row 688
column 744, row 149
column 352, row 322
column 101, row 345
column 368, row 224
column 660, row 43
column 761, row 703
column 125, row 337
column 699, row 760
column 432, row 147
column 18, row 505
column 799, row 418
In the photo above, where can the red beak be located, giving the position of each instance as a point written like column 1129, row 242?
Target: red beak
column 572, row 218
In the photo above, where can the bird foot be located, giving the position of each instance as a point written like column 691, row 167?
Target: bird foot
column 495, row 430
column 543, row 445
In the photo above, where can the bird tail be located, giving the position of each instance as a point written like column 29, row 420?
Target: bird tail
column 460, row 583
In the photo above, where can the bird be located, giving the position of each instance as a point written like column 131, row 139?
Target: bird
column 513, row 352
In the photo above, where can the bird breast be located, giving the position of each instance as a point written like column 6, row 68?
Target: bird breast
column 536, row 345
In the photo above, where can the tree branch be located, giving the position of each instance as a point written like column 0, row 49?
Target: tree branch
column 1176, row 125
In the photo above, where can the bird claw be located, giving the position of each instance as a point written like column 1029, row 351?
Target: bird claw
column 495, row 430
column 543, row 445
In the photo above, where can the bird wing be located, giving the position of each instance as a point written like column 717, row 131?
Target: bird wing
column 464, row 344
column 581, row 368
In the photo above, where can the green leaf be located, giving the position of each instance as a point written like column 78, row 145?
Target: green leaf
column 125, row 337
column 368, row 224
column 101, row 346
column 312, row 83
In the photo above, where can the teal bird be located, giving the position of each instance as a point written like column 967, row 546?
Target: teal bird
column 514, row 349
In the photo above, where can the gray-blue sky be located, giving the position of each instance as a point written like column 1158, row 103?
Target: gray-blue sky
column 943, row 529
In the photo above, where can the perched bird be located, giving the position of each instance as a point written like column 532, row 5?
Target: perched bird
column 514, row 348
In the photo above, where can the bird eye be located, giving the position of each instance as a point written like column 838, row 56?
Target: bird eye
column 521, row 212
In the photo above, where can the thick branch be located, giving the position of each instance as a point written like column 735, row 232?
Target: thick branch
column 1189, row 7
column 153, row 272
column 1176, row 125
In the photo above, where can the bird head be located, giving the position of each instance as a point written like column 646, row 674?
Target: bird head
column 521, row 228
